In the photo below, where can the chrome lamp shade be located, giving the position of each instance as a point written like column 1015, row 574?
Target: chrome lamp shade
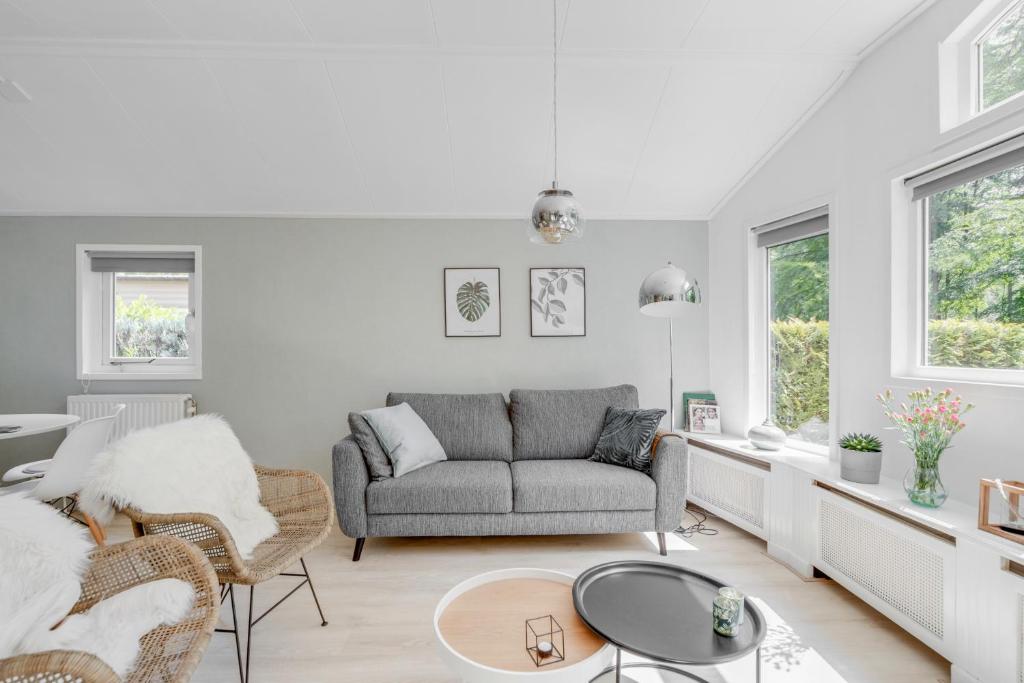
column 556, row 218
column 668, row 293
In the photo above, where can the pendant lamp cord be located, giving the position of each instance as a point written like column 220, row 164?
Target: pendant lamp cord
column 554, row 98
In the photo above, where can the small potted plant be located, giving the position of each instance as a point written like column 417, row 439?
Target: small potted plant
column 860, row 459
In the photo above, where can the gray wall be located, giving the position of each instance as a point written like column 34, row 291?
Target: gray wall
column 308, row 319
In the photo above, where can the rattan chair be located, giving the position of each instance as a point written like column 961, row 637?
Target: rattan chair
column 168, row 654
column 301, row 503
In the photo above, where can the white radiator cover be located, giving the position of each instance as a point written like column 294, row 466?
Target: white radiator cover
column 735, row 491
column 905, row 573
column 140, row 411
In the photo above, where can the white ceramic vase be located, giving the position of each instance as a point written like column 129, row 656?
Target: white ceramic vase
column 767, row 436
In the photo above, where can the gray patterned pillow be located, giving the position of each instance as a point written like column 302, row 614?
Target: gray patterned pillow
column 627, row 437
column 376, row 459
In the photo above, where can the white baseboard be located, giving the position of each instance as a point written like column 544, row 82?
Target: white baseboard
column 958, row 675
column 800, row 566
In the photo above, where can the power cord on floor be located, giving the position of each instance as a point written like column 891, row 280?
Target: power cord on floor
column 698, row 527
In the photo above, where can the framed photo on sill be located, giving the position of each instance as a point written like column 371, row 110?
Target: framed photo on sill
column 705, row 418
column 472, row 302
column 558, row 302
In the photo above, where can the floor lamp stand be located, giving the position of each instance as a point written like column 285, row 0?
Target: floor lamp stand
column 671, row 381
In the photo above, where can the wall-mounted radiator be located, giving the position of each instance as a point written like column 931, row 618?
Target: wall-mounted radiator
column 141, row 410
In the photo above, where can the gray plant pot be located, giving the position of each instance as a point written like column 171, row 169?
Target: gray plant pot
column 861, row 467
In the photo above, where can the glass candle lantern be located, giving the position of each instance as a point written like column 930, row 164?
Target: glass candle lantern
column 733, row 594
column 545, row 640
column 726, row 616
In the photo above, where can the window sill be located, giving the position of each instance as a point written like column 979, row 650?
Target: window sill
column 1011, row 107
column 150, row 373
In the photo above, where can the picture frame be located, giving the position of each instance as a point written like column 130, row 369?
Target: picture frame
column 472, row 302
column 705, row 418
column 558, row 301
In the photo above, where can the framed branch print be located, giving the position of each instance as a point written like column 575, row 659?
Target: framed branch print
column 472, row 302
column 558, row 302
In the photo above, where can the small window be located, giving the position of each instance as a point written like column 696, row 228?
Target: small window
column 1001, row 59
column 139, row 312
column 796, row 253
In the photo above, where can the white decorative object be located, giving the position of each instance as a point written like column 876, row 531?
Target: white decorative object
column 193, row 465
column 470, row 671
column 767, row 436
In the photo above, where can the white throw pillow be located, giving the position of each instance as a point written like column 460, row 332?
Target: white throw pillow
column 405, row 437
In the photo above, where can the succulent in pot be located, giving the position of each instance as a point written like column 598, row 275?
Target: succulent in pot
column 860, row 458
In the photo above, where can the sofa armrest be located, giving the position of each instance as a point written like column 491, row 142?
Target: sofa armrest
column 350, row 481
column 669, row 473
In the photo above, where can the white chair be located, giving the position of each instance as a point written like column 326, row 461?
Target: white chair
column 65, row 473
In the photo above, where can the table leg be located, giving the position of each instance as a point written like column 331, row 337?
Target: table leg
column 758, row 665
column 618, row 665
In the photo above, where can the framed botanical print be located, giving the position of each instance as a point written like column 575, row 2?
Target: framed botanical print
column 472, row 302
column 558, row 302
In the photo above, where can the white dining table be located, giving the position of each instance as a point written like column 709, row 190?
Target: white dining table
column 35, row 423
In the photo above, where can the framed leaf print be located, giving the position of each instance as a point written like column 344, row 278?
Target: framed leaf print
column 472, row 302
column 558, row 302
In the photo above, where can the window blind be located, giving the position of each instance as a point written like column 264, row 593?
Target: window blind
column 142, row 261
column 793, row 228
column 993, row 159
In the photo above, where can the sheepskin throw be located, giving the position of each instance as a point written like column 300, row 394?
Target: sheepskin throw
column 192, row 465
column 43, row 556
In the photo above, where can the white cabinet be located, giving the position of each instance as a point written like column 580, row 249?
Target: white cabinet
column 990, row 607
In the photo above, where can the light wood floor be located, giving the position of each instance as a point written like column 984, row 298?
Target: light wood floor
column 381, row 609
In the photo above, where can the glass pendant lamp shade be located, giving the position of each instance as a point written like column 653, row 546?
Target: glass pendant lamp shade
column 556, row 218
column 668, row 292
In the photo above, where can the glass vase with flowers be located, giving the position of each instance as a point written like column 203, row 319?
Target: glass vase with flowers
column 929, row 420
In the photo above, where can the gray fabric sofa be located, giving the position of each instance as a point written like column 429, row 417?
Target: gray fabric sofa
column 513, row 469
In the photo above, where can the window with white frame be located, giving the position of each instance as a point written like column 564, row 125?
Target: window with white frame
column 795, row 257
column 139, row 312
column 1000, row 59
column 967, row 300
column 981, row 65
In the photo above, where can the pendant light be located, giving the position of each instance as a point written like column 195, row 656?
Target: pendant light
column 557, row 217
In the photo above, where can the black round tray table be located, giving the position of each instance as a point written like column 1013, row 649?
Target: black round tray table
column 662, row 612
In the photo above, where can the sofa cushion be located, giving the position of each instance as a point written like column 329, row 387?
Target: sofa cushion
column 579, row 486
column 469, row 426
column 377, row 462
column 449, row 487
column 550, row 425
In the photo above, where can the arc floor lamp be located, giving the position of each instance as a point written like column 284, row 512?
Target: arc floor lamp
column 668, row 293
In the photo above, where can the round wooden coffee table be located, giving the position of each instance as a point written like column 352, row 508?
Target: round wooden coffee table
column 480, row 626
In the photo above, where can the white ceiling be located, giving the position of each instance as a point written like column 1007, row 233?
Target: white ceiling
column 408, row 107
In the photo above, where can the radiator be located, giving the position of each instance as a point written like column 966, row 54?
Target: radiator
column 730, row 489
column 140, row 410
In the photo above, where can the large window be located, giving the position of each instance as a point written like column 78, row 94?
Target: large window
column 1001, row 59
column 975, row 273
column 139, row 312
column 796, row 254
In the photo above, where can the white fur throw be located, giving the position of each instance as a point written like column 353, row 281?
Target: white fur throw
column 43, row 556
column 192, row 465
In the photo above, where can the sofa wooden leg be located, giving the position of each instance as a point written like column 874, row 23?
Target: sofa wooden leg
column 358, row 552
column 661, row 544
